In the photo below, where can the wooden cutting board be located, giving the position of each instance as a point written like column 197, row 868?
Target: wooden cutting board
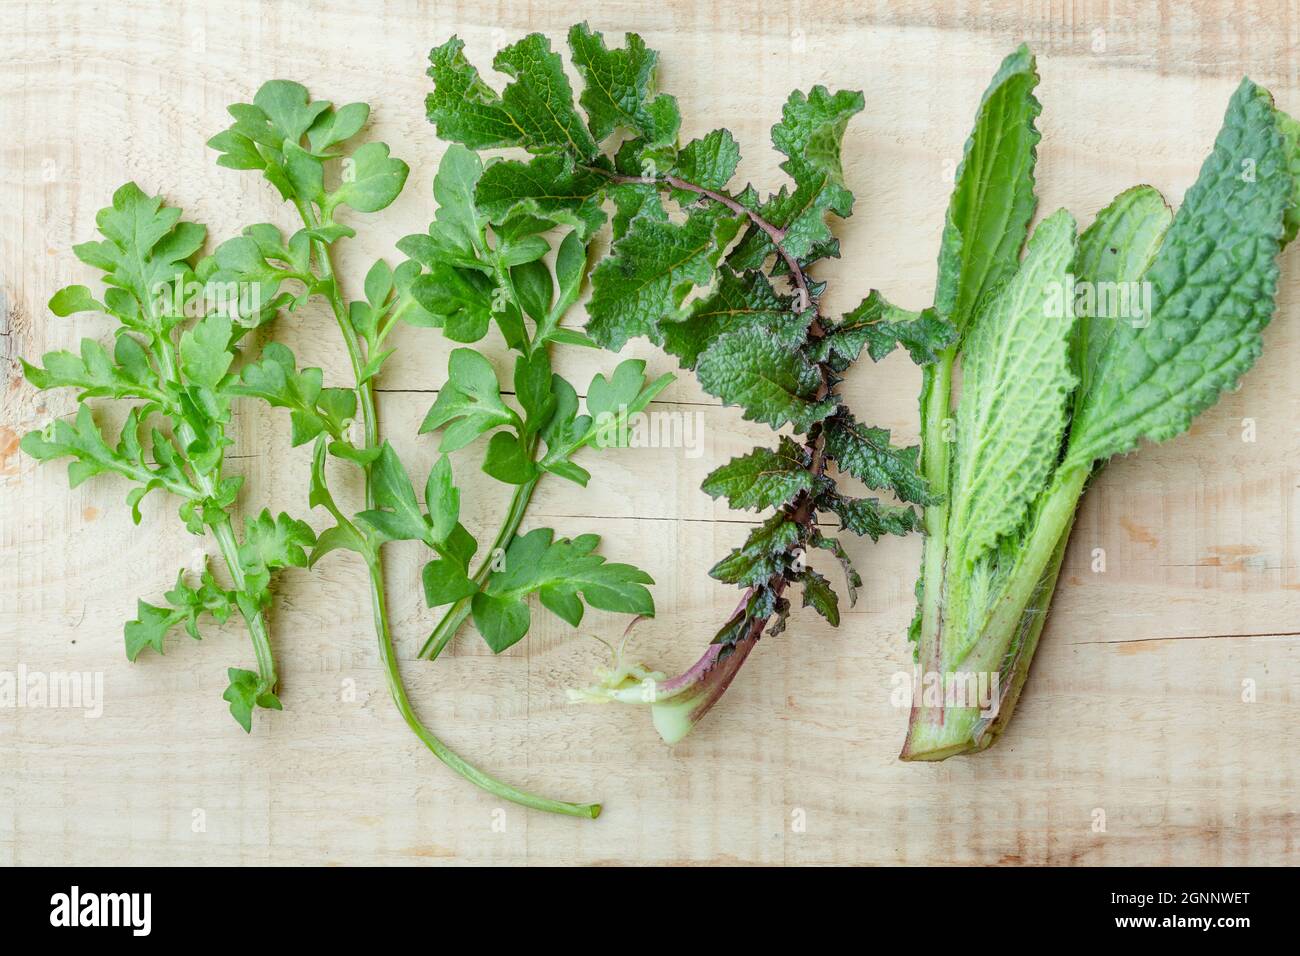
column 1160, row 722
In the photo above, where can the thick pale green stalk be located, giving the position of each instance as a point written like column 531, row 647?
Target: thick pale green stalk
column 987, row 730
column 935, row 733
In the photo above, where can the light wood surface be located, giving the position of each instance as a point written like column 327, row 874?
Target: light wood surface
column 1134, row 711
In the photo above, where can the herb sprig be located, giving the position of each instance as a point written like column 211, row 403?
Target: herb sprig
column 676, row 229
column 461, row 276
column 176, row 342
column 1049, row 394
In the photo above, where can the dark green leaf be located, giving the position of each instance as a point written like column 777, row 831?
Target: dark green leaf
column 619, row 88
column 652, row 268
column 765, row 478
column 765, row 375
column 535, row 111
column 866, row 454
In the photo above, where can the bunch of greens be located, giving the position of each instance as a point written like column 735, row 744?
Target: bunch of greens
column 468, row 271
column 176, row 341
column 753, row 333
column 1058, row 375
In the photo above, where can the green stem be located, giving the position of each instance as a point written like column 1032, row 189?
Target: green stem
column 257, row 630
column 1055, row 519
column 365, row 390
column 222, row 530
column 937, row 732
column 440, row 750
column 935, row 392
column 455, row 615
column 374, row 562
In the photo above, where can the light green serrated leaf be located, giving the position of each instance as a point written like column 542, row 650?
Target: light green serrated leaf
column 205, row 351
column 1016, row 381
column 1114, row 254
column 993, row 200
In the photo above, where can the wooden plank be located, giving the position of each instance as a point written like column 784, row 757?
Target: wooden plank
column 1137, row 712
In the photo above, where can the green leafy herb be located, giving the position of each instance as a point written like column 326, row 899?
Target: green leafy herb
column 1073, row 355
column 482, row 261
column 176, row 342
column 704, row 284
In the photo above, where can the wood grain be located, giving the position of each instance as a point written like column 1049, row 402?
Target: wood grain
column 1135, row 708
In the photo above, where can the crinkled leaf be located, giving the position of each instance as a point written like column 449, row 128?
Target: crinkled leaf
column 819, row 595
column 765, row 478
column 764, row 553
column 765, row 375
column 551, row 186
column 867, row 516
column 535, row 111
column 810, row 135
column 1016, row 381
column 737, row 301
column 866, row 454
column 650, row 271
column 881, row 327
column 619, row 88
column 1213, row 284
column 708, row 162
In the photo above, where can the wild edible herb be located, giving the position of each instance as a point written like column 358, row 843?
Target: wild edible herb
column 754, row 332
column 176, row 342
column 468, row 271
column 1074, row 354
